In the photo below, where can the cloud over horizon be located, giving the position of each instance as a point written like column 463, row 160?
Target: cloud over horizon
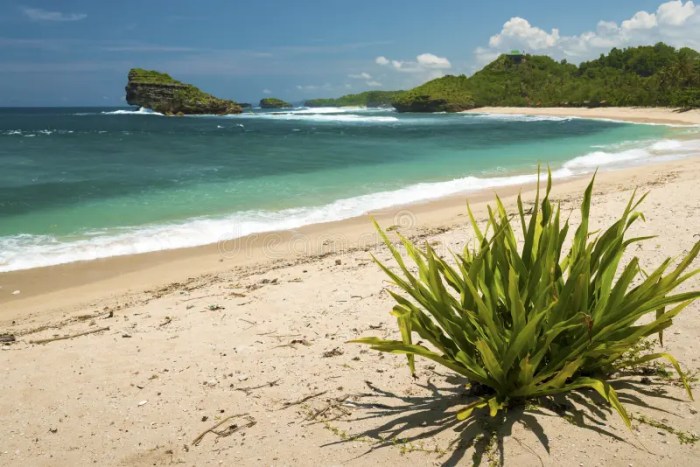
column 38, row 14
column 675, row 22
column 423, row 62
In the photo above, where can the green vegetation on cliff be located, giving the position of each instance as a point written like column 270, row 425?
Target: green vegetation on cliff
column 274, row 103
column 160, row 92
column 657, row 75
column 363, row 99
column 140, row 75
column 446, row 94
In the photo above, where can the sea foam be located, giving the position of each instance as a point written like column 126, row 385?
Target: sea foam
column 141, row 111
column 326, row 117
column 30, row 251
column 519, row 117
column 658, row 151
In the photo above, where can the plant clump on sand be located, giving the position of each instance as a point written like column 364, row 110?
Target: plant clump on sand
column 160, row 92
column 536, row 320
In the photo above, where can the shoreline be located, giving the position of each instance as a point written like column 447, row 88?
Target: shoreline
column 134, row 273
column 129, row 360
column 69, row 286
column 35, row 260
column 124, row 273
column 649, row 115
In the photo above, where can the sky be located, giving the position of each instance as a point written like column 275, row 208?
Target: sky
column 78, row 52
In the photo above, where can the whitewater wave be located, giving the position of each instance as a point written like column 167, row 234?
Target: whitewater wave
column 668, row 149
column 519, row 117
column 31, row 251
column 329, row 110
column 141, row 111
column 33, row 133
column 323, row 117
column 552, row 118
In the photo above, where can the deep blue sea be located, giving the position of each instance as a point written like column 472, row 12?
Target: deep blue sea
column 79, row 184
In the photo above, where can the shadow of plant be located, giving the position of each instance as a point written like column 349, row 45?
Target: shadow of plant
column 408, row 420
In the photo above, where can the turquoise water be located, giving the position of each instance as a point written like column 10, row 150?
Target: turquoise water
column 78, row 184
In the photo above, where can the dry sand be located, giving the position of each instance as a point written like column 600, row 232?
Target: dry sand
column 178, row 341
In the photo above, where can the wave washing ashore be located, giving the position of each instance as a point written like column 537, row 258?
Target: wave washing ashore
column 81, row 184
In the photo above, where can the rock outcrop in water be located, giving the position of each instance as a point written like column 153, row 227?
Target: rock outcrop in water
column 274, row 103
column 161, row 93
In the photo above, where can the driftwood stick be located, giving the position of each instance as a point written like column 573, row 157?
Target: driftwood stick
column 303, row 399
column 266, row 385
column 73, row 336
column 232, row 429
column 197, row 298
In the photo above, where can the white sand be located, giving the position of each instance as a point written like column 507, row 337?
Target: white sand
column 198, row 335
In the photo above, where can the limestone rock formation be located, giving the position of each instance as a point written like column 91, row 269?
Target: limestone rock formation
column 161, row 93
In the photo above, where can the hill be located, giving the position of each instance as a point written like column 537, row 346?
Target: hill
column 363, row 99
column 446, row 94
column 658, row 75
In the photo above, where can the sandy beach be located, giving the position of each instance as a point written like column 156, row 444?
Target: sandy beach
column 624, row 114
column 236, row 353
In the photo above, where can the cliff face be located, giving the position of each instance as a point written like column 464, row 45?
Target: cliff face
column 161, row 93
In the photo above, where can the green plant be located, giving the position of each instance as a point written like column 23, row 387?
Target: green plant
column 684, row 437
column 535, row 322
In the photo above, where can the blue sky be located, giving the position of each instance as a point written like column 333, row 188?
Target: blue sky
column 78, row 52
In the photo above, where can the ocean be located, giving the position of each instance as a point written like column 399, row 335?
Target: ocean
column 85, row 183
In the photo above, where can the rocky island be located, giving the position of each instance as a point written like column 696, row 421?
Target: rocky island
column 161, row 93
column 274, row 103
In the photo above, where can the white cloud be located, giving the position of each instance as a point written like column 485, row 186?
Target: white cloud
column 423, row 62
column 675, row 13
column 640, row 20
column 519, row 31
column 433, row 61
column 363, row 75
column 266, row 91
column 406, row 74
column 37, row 14
column 675, row 22
column 314, row 87
column 381, row 61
